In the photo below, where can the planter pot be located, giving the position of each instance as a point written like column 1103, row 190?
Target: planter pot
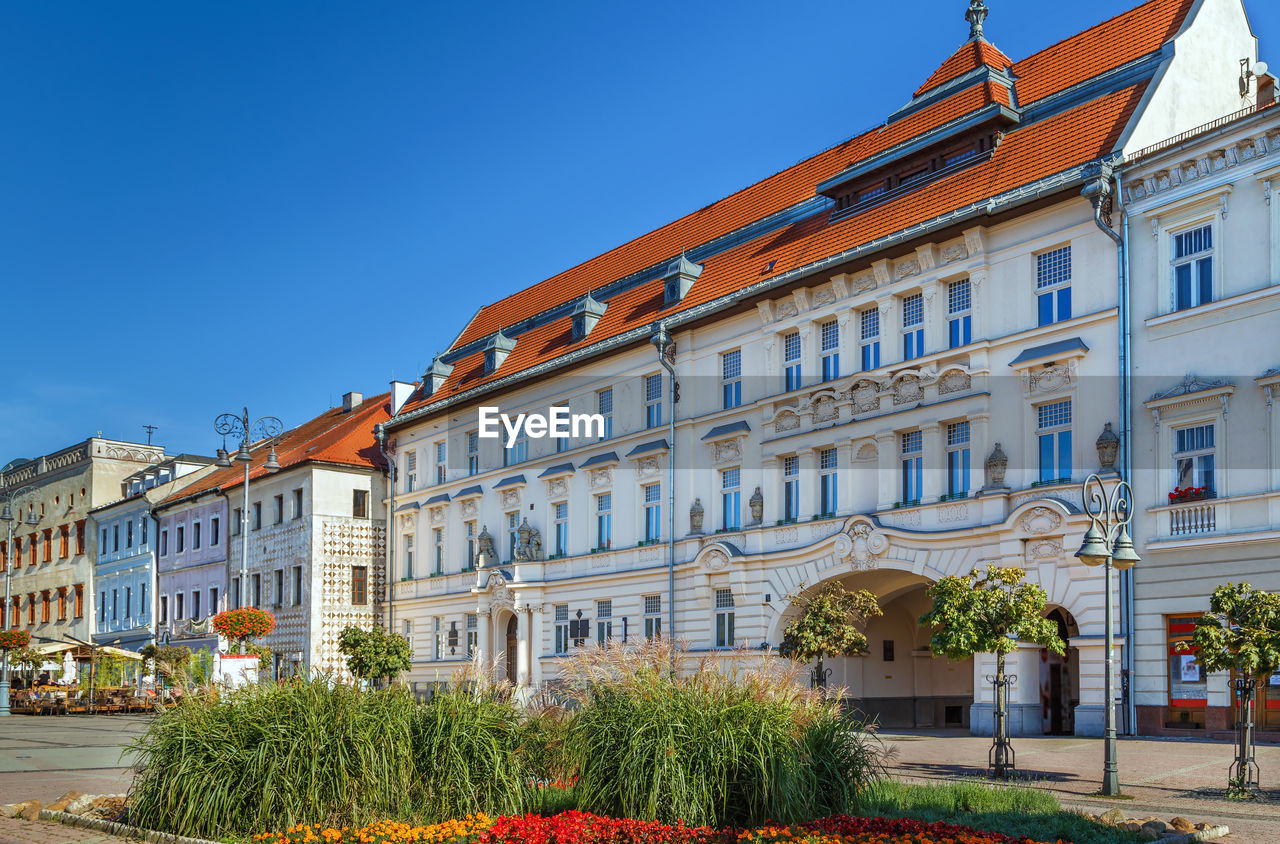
column 235, row 670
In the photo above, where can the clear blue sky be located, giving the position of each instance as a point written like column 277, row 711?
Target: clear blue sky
column 211, row 204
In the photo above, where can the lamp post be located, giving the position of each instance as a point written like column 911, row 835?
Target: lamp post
column 666, row 346
column 10, row 513
column 262, row 428
column 1107, row 544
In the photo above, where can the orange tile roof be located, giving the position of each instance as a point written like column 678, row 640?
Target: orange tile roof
column 971, row 56
column 335, row 436
column 1027, row 153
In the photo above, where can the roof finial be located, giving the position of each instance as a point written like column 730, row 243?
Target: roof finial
column 976, row 14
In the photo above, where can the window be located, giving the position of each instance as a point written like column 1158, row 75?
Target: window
column 115, row 537
column 1053, row 431
column 213, row 598
column 145, row 521
column 255, row 582
column 128, row 534
column 442, row 472
column 102, row 608
column 62, row 604
column 653, row 400
column 277, row 510
column 513, row 533
column 195, row 604
column 473, row 633
column 652, row 512
column 164, row 609
column 562, row 444
column 561, row 628
column 408, row 557
column 517, row 451
column 604, row 521
column 828, row 483
column 960, row 313
column 731, row 378
column 1193, row 459
column 164, row 542
column 48, row 546
column 438, row 537
column 913, row 326
column 1193, row 268
column 437, row 640
column 724, row 618
column 359, row 585
column 604, row 406
column 471, row 545
column 1188, row 683
column 195, row 536
column 791, row 361
column 297, row 504
column 604, row 622
column 886, row 650
column 64, row 541
column 46, row 606
column 297, row 586
column 410, row 471
column 277, row 595
column 1053, row 285
column 790, row 488
column 237, row 521
column 730, row 499
column 215, row 533
column 473, row 452
column 182, row 538
column 80, row 537
column 870, row 336
column 31, row 608
column 912, row 445
column 257, row 515
column 652, row 616
column 830, row 332
column 235, row 590
column 958, row 460
column 79, row 600
column 177, row 606
column 560, row 511
column 360, row 503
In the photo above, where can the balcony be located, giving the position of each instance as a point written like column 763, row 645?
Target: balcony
column 1228, row 519
column 1193, row 517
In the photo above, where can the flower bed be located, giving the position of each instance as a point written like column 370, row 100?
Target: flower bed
column 583, row 828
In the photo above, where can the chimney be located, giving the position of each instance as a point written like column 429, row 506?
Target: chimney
column 400, row 393
column 351, row 401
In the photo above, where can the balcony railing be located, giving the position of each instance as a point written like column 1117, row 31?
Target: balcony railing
column 1193, row 517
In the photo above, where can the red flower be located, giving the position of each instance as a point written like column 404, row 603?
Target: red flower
column 244, row 623
column 14, row 639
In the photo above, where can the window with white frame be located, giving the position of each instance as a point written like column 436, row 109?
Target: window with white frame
column 560, row 511
column 1193, row 460
column 730, row 499
column 1053, row 286
column 562, row 444
column 652, row 512
column 652, row 616
column 604, row 407
column 517, row 451
column 731, row 378
column 830, row 334
column 724, row 618
column 411, row 470
column 1053, row 436
column 604, row 622
column 473, row 634
column 912, row 326
column 912, row 454
column 297, row 587
column 653, row 400
column 471, row 544
column 791, row 361
column 406, row 630
column 1193, row 268
column 437, row 639
column 828, row 483
column 438, row 538
column 297, row 512
column 604, row 521
column 473, row 452
column 442, row 471
column 408, row 557
column 958, row 461
column 562, row 641
column 960, row 313
column 869, row 334
column 790, row 488
column 513, row 533
column 195, row 534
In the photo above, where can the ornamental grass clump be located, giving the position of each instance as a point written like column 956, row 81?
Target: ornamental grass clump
column 707, row 747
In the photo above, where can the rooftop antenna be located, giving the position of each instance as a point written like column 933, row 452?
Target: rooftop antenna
column 149, row 429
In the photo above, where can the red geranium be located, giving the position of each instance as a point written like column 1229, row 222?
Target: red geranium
column 1188, row 493
column 244, row 623
column 12, row 640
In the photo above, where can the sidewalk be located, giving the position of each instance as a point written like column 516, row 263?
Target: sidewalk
column 1165, row 777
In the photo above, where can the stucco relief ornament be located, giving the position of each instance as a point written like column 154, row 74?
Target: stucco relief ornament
column 954, row 381
column 1044, row 550
column 647, row 466
column 469, row 507
column 557, row 487
column 907, row 390
column 726, row 450
column 696, row 515
column 997, row 463
column 510, row 497
column 866, row 396
column 787, row 421
column 1040, row 520
column 861, row 545
column 437, row 514
column 757, row 506
column 601, row 477
column 824, row 409
column 1108, row 447
column 715, row 560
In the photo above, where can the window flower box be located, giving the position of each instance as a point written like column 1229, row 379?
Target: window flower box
column 1189, row 493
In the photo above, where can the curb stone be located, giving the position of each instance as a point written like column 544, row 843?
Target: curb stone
column 112, row 828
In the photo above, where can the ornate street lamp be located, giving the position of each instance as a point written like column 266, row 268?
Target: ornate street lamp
column 10, row 514
column 262, row 428
column 1107, row 544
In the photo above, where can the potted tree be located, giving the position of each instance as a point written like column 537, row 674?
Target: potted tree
column 243, row 661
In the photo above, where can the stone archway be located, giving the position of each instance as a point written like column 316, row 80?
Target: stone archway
column 1060, row 678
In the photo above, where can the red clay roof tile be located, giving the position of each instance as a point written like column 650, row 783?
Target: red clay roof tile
column 970, row 56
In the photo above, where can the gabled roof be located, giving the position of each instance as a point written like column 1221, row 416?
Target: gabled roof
column 781, row 224
column 336, row 437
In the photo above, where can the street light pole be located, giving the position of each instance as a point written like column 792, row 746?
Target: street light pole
column 1107, row 543
column 263, row 428
column 7, row 514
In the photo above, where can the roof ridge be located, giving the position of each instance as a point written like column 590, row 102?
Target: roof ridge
column 1098, row 25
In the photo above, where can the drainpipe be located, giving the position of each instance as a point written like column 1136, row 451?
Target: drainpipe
column 380, row 434
column 661, row 339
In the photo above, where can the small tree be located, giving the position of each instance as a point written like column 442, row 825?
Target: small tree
column 1240, row 633
column 375, row 654
column 829, row 625
column 166, row 661
column 990, row 612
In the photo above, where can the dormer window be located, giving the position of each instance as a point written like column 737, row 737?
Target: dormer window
column 496, row 351
column 679, row 279
column 585, row 316
column 433, row 379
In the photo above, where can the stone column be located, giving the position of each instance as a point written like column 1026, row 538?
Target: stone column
column 935, row 462
column 484, row 639
column 935, row 321
column 847, row 346
column 977, row 280
column 887, row 465
column 536, row 616
column 979, row 447
column 522, row 647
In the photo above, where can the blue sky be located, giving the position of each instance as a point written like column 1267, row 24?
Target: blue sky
column 205, row 205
